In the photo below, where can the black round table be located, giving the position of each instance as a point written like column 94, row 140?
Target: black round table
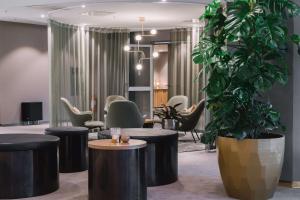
column 72, row 148
column 28, row 165
column 161, row 153
column 117, row 171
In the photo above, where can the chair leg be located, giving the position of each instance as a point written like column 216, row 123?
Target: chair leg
column 197, row 135
column 193, row 136
column 184, row 132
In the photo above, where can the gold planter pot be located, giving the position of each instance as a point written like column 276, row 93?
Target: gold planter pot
column 250, row 168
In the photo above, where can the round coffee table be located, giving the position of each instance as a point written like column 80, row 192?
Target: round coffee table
column 29, row 165
column 117, row 171
column 161, row 151
column 72, row 147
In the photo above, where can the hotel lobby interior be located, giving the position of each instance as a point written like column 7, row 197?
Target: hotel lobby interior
column 149, row 99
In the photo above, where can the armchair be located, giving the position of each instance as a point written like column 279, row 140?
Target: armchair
column 80, row 118
column 188, row 122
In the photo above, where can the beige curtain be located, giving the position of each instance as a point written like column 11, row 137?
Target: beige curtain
column 182, row 71
column 86, row 64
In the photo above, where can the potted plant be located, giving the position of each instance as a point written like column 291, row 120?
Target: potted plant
column 242, row 49
column 169, row 115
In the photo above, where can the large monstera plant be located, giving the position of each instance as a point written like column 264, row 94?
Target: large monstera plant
column 242, row 49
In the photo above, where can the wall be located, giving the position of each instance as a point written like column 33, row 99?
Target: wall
column 295, row 137
column 23, row 69
column 286, row 99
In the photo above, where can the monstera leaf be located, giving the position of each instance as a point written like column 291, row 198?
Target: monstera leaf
column 241, row 49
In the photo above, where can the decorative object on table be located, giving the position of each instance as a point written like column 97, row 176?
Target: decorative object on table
column 29, row 165
column 162, row 153
column 188, row 122
column 79, row 118
column 72, row 148
column 169, row 115
column 125, row 138
column 115, row 135
column 125, row 181
column 242, row 50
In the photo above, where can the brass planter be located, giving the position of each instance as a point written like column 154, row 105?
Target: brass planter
column 250, row 168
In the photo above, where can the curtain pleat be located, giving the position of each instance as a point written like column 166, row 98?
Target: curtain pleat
column 86, row 65
column 182, row 71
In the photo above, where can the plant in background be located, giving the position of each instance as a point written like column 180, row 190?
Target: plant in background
column 168, row 112
column 242, row 49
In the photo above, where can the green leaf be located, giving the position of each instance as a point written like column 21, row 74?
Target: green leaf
column 211, row 9
column 262, row 84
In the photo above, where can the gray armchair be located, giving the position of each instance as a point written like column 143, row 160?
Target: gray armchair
column 179, row 99
column 124, row 114
column 189, row 121
column 79, row 118
column 108, row 101
column 111, row 99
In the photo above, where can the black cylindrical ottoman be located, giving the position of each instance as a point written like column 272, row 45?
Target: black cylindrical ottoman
column 161, row 151
column 28, row 165
column 72, row 148
column 117, row 171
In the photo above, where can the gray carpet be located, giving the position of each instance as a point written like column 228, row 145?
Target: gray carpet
column 186, row 143
column 199, row 179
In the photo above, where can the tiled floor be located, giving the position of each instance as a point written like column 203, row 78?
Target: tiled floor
column 199, row 179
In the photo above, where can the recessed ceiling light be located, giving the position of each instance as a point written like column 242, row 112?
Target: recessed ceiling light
column 83, row 6
column 163, row 0
column 43, row 16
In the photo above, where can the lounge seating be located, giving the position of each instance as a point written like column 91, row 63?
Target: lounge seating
column 124, row 114
column 72, row 148
column 111, row 99
column 179, row 99
column 79, row 118
column 189, row 121
column 108, row 101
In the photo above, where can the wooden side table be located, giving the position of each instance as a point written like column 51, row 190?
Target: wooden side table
column 117, row 171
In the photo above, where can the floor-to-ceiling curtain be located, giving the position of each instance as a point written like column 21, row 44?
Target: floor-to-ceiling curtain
column 182, row 71
column 87, row 65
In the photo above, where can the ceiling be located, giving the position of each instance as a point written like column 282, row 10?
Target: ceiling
column 105, row 13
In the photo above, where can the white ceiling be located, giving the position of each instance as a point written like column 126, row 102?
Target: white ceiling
column 105, row 13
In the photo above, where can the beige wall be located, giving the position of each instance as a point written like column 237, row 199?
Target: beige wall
column 23, row 69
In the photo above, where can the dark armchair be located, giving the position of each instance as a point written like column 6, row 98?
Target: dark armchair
column 188, row 122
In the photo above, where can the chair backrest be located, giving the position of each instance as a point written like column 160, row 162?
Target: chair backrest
column 111, row 99
column 75, row 118
column 124, row 114
column 179, row 99
column 190, row 121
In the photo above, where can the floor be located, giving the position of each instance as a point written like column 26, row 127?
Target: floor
column 199, row 179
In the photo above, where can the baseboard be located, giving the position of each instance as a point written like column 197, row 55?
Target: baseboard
column 290, row 184
column 21, row 124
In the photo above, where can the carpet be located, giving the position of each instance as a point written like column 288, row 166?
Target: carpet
column 199, row 179
column 186, row 143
